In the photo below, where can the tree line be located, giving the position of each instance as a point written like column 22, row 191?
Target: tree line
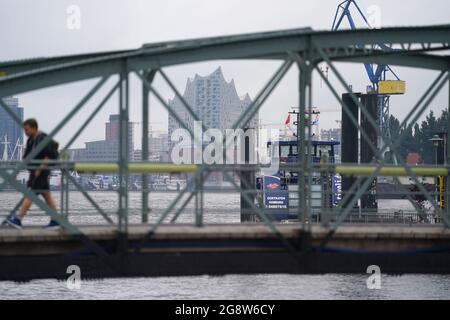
column 417, row 136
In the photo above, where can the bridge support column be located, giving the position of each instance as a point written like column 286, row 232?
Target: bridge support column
column 149, row 75
column 248, row 178
column 447, row 159
column 124, row 153
column 304, row 143
column 370, row 103
column 304, row 146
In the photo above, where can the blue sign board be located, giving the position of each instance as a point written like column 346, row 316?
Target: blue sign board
column 336, row 189
column 275, row 198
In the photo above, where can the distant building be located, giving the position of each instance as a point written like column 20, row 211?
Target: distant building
column 216, row 103
column 102, row 150
column 11, row 133
column 78, row 154
column 137, row 155
column 112, row 131
column 333, row 135
column 214, row 100
column 159, row 146
column 108, row 149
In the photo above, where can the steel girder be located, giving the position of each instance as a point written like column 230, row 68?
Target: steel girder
column 21, row 76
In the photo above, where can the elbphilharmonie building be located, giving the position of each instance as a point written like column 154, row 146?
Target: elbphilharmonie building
column 214, row 100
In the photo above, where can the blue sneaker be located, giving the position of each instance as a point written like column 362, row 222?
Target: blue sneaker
column 53, row 225
column 14, row 222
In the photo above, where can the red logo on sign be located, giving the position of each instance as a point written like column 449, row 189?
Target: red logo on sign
column 272, row 186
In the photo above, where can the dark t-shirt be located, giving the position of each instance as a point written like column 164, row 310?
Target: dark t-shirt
column 33, row 143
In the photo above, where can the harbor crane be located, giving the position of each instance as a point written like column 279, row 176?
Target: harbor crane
column 377, row 74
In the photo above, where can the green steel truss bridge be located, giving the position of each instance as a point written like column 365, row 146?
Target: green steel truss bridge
column 119, row 248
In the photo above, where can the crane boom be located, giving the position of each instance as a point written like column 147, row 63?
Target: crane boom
column 375, row 74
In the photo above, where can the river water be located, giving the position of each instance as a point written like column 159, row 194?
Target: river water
column 219, row 208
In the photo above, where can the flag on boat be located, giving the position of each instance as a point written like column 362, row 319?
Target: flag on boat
column 288, row 120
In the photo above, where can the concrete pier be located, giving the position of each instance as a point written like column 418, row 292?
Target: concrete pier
column 176, row 250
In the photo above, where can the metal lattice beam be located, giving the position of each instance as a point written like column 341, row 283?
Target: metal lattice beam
column 61, row 70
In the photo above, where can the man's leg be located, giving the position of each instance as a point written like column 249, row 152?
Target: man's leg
column 49, row 200
column 51, row 203
column 26, row 204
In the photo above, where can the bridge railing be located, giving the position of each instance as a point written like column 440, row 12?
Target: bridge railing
column 413, row 208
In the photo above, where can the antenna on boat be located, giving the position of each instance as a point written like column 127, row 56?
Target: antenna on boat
column 5, row 144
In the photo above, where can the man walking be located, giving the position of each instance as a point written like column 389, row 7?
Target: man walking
column 38, row 181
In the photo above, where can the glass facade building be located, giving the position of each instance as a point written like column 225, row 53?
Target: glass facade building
column 11, row 133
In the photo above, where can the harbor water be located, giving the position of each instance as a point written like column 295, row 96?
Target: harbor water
column 219, row 208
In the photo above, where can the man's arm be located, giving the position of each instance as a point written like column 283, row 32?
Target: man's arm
column 42, row 166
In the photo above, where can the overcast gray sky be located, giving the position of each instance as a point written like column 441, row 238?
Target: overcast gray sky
column 32, row 28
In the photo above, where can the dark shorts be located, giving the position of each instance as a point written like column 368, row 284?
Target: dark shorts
column 41, row 183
